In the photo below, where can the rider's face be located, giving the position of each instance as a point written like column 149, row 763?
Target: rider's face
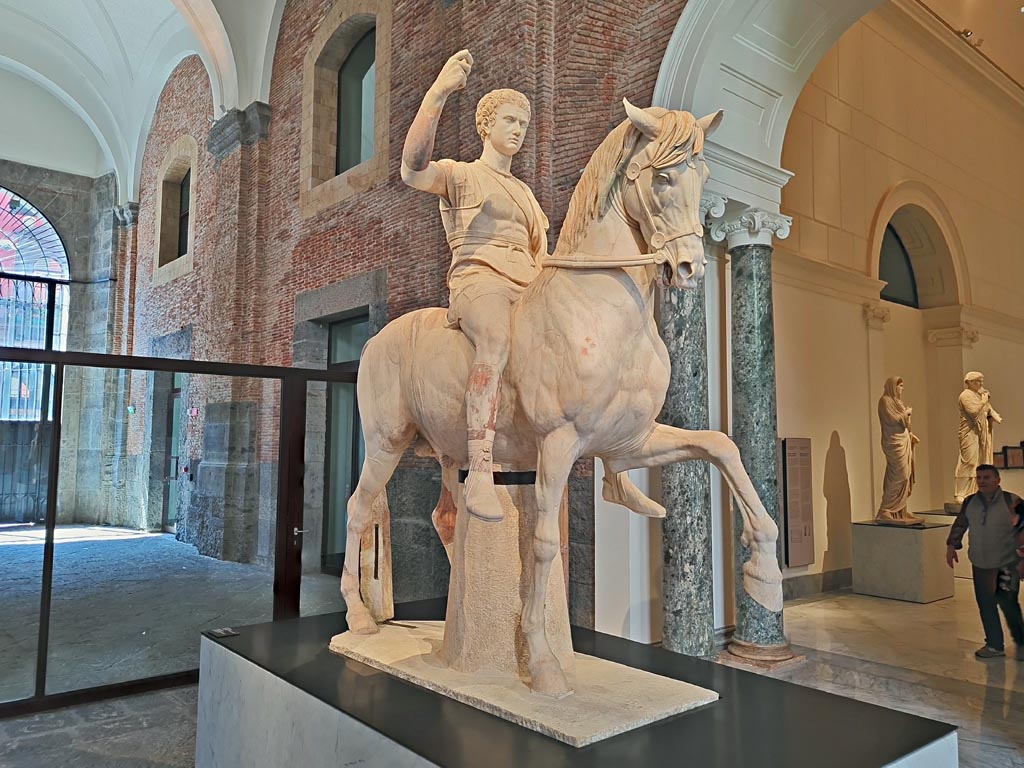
column 509, row 129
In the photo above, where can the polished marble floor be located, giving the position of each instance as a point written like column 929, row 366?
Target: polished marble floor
column 909, row 657
column 126, row 605
column 914, row 658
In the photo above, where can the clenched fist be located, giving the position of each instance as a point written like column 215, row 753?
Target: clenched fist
column 454, row 73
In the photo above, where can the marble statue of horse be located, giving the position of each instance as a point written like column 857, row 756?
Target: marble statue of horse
column 587, row 371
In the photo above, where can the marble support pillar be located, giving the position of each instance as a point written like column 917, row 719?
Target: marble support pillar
column 947, row 359
column 875, row 318
column 687, row 578
column 759, row 631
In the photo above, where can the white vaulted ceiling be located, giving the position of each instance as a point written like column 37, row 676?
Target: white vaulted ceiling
column 107, row 60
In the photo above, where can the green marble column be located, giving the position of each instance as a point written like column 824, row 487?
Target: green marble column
column 759, row 631
column 687, row 588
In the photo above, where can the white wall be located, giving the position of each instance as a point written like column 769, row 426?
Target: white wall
column 37, row 129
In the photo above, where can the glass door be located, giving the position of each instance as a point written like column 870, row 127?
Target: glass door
column 173, row 449
column 345, row 449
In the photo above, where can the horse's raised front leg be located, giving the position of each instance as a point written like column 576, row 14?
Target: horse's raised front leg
column 377, row 470
column 555, row 458
column 762, row 578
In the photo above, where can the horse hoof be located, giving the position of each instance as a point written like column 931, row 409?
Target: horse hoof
column 362, row 623
column 548, row 679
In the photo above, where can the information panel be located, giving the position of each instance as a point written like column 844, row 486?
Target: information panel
column 797, row 503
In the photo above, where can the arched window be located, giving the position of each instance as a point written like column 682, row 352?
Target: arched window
column 356, row 85
column 176, row 211
column 896, row 269
column 184, row 208
column 33, row 303
column 346, row 79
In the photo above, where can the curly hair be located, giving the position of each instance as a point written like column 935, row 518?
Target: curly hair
column 487, row 107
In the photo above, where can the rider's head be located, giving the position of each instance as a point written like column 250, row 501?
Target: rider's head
column 487, row 108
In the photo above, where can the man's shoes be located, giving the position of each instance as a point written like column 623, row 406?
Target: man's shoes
column 992, row 653
column 1019, row 653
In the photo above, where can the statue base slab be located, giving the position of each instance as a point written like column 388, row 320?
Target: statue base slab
column 609, row 698
column 901, row 562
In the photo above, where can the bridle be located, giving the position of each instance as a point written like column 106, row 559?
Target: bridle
column 658, row 239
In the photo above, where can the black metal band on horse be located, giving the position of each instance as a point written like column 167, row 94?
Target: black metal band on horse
column 506, row 478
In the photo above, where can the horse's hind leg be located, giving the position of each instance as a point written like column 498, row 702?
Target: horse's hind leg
column 447, row 508
column 377, row 469
column 762, row 578
column 557, row 453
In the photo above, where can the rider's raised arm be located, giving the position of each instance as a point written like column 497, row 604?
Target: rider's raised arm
column 418, row 170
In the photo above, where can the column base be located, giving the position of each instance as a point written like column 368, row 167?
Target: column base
column 767, row 654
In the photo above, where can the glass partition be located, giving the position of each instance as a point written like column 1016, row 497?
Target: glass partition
column 144, row 501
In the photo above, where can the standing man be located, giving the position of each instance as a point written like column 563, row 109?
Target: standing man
column 992, row 517
column 498, row 236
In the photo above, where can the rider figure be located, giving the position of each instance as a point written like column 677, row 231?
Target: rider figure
column 497, row 233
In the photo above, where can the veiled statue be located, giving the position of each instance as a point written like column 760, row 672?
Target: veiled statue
column 898, row 444
column 977, row 417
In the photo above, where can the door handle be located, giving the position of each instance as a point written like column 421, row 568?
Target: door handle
column 296, row 531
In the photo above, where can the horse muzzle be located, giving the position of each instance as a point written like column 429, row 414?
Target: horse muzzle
column 683, row 266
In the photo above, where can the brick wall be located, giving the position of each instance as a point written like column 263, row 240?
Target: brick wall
column 254, row 252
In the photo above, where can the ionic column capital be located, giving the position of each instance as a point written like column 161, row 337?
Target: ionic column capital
column 712, row 206
column 754, row 226
column 875, row 315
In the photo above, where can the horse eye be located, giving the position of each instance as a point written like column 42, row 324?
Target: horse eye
column 662, row 178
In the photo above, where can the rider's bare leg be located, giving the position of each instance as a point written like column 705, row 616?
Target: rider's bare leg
column 487, row 323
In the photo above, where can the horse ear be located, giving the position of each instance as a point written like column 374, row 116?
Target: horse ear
column 711, row 122
column 642, row 121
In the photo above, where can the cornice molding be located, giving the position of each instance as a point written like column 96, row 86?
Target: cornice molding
column 914, row 18
column 824, row 279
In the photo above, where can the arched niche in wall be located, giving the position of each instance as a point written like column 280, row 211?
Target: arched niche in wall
column 928, row 234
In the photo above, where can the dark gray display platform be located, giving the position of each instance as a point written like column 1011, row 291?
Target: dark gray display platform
column 276, row 695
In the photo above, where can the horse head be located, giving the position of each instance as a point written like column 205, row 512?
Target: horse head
column 664, row 171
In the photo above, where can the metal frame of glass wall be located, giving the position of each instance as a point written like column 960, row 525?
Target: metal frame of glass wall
column 289, row 513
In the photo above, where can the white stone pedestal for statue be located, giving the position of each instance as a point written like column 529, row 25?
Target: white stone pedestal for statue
column 492, row 575
column 961, row 568
column 901, row 562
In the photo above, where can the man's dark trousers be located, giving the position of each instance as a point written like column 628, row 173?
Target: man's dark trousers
column 989, row 595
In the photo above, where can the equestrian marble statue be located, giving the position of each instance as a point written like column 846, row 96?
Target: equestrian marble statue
column 558, row 356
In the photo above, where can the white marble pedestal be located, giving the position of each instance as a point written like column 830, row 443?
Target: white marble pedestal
column 249, row 718
column 901, row 562
column 962, row 568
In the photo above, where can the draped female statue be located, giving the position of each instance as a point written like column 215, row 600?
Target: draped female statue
column 977, row 417
column 898, row 444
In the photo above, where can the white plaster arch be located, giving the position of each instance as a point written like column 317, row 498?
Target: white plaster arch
column 204, row 19
column 271, row 47
column 929, row 234
column 42, row 56
column 752, row 59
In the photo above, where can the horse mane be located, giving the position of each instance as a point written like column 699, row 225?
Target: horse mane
column 681, row 136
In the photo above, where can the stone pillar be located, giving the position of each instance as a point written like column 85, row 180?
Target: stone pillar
column 759, row 632
column 875, row 318
column 946, row 363
column 687, row 578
